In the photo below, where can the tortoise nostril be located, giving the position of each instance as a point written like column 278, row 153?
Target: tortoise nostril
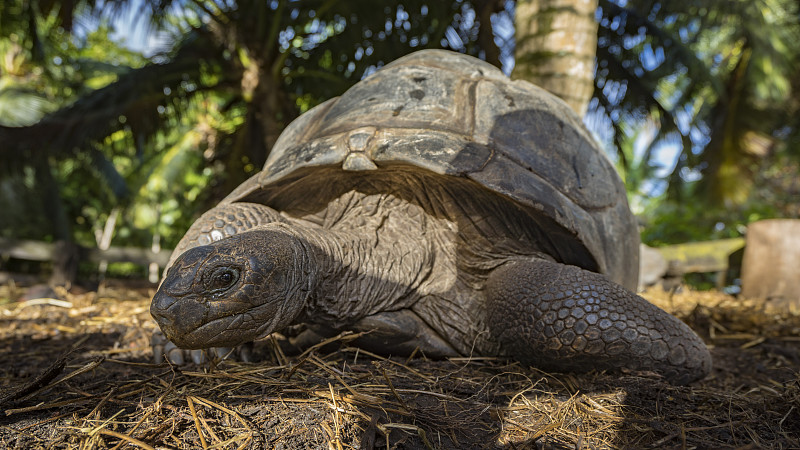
column 161, row 316
column 177, row 316
column 162, row 302
column 163, row 320
column 160, row 309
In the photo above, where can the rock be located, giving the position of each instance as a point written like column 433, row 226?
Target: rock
column 652, row 266
column 771, row 263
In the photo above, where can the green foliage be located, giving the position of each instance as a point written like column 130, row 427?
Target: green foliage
column 89, row 128
column 670, row 222
column 28, row 91
column 637, row 167
column 160, row 139
column 776, row 194
column 715, row 78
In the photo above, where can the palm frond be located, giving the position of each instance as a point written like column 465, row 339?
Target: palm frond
column 20, row 106
column 136, row 101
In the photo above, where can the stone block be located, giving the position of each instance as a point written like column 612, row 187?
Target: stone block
column 771, row 262
column 652, row 266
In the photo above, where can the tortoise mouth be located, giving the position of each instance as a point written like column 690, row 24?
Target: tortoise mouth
column 218, row 332
column 194, row 324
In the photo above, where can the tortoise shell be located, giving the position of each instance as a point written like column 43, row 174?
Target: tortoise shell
column 454, row 115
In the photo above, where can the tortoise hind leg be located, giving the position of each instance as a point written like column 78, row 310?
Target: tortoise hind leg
column 562, row 317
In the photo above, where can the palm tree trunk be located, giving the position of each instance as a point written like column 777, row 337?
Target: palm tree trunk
column 485, row 9
column 556, row 47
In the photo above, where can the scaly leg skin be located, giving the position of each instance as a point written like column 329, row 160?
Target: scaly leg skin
column 564, row 318
column 217, row 223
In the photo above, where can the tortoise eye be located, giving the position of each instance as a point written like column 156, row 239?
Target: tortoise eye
column 222, row 278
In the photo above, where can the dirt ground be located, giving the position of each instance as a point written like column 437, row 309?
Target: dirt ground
column 76, row 372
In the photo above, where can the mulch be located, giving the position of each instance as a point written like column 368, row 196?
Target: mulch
column 76, row 372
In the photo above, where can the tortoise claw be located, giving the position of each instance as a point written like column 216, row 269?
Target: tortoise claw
column 173, row 354
column 198, row 356
column 165, row 350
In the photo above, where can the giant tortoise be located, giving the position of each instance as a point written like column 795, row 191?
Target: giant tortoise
column 445, row 208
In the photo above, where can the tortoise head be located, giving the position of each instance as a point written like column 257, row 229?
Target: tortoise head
column 231, row 291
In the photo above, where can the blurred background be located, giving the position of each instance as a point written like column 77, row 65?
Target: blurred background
column 121, row 121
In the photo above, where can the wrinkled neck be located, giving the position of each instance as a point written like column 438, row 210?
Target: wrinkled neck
column 352, row 274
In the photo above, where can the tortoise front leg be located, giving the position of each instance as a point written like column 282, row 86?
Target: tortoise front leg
column 217, row 223
column 562, row 317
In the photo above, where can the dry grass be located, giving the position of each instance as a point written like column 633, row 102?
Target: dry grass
column 76, row 374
